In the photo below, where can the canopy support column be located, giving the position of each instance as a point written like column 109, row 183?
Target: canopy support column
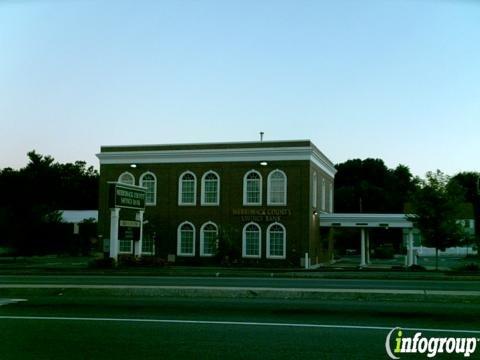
column 362, row 249
column 367, row 235
column 114, row 219
column 410, row 248
column 138, row 244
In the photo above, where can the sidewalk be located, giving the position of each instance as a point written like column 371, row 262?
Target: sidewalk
column 405, row 295
column 345, row 269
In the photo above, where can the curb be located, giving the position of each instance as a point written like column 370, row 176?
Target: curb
column 241, row 293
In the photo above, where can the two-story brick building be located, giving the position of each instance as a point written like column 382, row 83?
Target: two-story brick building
column 262, row 198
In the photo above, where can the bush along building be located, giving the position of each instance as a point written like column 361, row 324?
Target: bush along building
column 250, row 203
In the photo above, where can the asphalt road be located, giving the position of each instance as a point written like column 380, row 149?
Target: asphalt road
column 146, row 328
column 244, row 282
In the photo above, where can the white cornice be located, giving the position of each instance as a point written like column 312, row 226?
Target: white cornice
column 306, row 153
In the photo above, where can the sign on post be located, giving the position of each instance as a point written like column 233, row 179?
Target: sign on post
column 129, row 230
column 126, row 196
column 123, row 196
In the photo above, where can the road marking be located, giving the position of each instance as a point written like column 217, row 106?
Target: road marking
column 10, row 301
column 235, row 323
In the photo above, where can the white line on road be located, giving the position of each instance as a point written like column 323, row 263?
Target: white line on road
column 10, row 301
column 235, row 323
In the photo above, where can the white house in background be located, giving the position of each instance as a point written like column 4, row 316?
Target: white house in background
column 451, row 251
column 75, row 217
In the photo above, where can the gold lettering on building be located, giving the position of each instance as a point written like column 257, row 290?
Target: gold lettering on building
column 261, row 214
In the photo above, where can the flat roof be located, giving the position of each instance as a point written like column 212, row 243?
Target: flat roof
column 217, row 152
column 209, row 146
column 362, row 220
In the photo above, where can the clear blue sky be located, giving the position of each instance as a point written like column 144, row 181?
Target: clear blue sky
column 393, row 79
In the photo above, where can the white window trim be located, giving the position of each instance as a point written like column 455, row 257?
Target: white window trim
column 126, row 252
column 202, row 239
column 285, row 187
column 126, row 173
column 244, row 242
column 202, row 200
column 179, row 247
column 284, row 242
column 149, row 252
column 245, row 189
column 180, row 189
column 154, row 187
column 314, row 190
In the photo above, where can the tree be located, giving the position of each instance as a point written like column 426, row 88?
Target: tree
column 436, row 205
column 228, row 250
column 470, row 183
column 35, row 194
column 370, row 186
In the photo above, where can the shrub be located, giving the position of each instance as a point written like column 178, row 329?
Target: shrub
column 417, row 268
column 473, row 267
column 152, row 261
column 228, row 250
column 127, row 260
column 103, row 263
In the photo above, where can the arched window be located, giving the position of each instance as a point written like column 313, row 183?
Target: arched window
column 277, row 188
column 276, row 241
column 149, row 181
column 251, row 242
column 324, row 196
column 314, row 190
column 126, row 178
column 210, row 188
column 252, row 188
column 186, row 239
column 208, row 239
column 187, row 189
